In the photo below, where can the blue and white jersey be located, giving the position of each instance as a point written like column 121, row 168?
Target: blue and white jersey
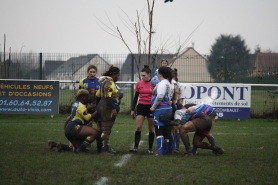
column 162, row 95
column 182, row 115
column 163, row 90
column 182, row 91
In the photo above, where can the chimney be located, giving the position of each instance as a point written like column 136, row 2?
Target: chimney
column 193, row 45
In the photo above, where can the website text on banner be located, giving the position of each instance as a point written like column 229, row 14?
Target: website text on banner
column 29, row 97
column 228, row 100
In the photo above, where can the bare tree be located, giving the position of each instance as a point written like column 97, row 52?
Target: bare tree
column 138, row 28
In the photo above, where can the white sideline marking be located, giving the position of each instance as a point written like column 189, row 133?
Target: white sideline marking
column 247, row 148
column 102, row 181
column 125, row 158
column 242, row 134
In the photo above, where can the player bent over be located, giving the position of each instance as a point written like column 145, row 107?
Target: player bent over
column 196, row 119
column 79, row 134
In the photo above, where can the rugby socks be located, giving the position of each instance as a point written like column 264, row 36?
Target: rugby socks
column 98, row 140
column 194, row 150
column 171, row 145
column 151, row 139
column 105, row 138
column 160, row 144
column 165, row 146
column 85, row 143
column 104, row 142
column 137, row 139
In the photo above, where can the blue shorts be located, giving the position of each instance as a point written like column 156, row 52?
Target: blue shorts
column 166, row 111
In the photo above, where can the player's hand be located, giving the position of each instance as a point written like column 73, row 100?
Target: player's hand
column 170, row 102
column 114, row 112
column 109, row 78
column 94, row 114
column 90, row 123
column 189, row 110
column 132, row 114
column 152, row 109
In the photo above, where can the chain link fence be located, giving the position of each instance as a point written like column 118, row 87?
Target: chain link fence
column 192, row 68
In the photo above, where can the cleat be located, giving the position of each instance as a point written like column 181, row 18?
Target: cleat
column 150, row 151
column 176, row 150
column 190, row 154
column 59, row 147
column 110, row 149
column 82, row 151
column 157, row 154
column 133, row 150
column 50, row 145
column 218, row 151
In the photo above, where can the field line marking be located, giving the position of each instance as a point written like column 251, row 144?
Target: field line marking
column 125, row 158
column 102, row 181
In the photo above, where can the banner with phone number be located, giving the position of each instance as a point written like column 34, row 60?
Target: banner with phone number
column 29, row 97
column 228, row 100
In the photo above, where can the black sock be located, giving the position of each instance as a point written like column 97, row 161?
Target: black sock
column 98, row 139
column 137, row 139
column 151, row 139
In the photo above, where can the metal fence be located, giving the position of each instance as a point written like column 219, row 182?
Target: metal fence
column 193, row 68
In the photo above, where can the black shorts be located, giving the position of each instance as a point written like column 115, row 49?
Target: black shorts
column 72, row 130
column 144, row 110
column 202, row 124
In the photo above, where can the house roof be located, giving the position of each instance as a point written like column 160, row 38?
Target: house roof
column 70, row 66
column 186, row 51
column 50, row 65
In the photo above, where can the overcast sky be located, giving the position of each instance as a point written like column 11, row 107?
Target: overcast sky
column 71, row 26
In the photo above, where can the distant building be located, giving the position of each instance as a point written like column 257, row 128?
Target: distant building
column 191, row 66
column 73, row 69
column 266, row 64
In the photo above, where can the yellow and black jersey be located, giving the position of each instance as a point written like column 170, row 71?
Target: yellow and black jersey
column 79, row 113
column 108, row 89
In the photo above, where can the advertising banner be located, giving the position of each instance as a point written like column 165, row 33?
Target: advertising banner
column 29, row 97
column 228, row 100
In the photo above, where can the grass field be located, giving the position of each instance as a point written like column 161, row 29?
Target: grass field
column 250, row 155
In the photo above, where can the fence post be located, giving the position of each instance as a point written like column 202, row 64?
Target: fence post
column 225, row 77
column 40, row 66
column 132, row 79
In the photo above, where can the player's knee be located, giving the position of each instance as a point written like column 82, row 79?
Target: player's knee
column 196, row 143
column 106, row 130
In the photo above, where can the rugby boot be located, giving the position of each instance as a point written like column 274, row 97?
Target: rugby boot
column 51, row 144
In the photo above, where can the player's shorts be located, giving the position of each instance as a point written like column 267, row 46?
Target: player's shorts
column 212, row 114
column 72, row 130
column 66, row 123
column 104, row 109
column 144, row 110
column 202, row 124
column 166, row 111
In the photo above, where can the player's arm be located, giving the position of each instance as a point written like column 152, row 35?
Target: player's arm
column 81, row 84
